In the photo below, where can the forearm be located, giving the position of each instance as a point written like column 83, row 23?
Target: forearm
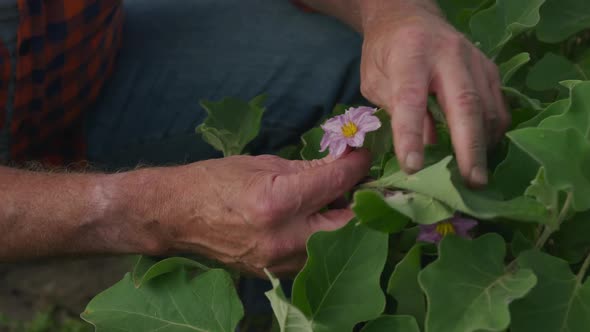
column 55, row 214
column 359, row 13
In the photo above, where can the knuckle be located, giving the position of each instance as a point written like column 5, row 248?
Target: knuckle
column 368, row 87
column 469, row 100
column 415, row 36
column 411, row 95
column 339, row 178
column 267, row 211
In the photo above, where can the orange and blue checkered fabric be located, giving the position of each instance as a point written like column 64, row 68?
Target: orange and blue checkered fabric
column 66, row 50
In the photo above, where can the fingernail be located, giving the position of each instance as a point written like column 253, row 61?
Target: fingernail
column 414, row 161
column 478, row 176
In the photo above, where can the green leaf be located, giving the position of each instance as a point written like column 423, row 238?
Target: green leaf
column 290, row 318
column 380, row 141
column 559, row 302
column 572, row 241
column 577, row 113
column 339, row 285
column 392, row 324
column 404, row 287
column 445, row 184
column 562, row 18
column 525, row 101
column 468, row 288
column 147, row 268
column 231, row 124
column 372, row 211
column 510, row 67
column 458, row 12
column 421, row 209
column 549, row 148
column 311, row 144
column 168, row 303
column 543, row 192
column 520, row 243
column 552, row 69
column 495, row 26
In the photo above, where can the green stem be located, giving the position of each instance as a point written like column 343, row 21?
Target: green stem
column 549, row 230
column 583, row 270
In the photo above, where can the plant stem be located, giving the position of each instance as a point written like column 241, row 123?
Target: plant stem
column 583, row 270
column 549, row 230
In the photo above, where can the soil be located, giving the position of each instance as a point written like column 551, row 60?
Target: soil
column 62, row 285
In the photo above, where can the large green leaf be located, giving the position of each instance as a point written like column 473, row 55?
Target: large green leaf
column 543, row 192
column 147, row 268
column 339, row 285
column 572, row 241
column 290, row 318
column 468, row 288
column 404, row 287
column 576, row 115
column 510, row 67
column 443, row 182
column 392, row 324
column 515, row 173
column 168, row 303
column 565, row 156
column 552, row 69
column 559, row 302
column 459, row 12
column 231, row 124
column 372, row 210
column 311, row 144
column 562, row 18
column 495, row 26
column 422, row 209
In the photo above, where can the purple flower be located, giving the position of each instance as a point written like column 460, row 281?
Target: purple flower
column 348, row 129
column 456, row 225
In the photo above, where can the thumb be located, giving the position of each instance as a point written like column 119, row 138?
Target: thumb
column 321, row 182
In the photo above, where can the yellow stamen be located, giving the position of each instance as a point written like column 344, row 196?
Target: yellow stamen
column 349, row 129
column 445, row 228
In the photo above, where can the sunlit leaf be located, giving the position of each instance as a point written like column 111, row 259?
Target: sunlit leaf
column 559, row 302
column 550, row 148
column 231, row 124
column 510, row 67
column 290, row 318
column 495, row 26
column 468, row 288
column 443, row 182
column 168, row 303
column 342, row 276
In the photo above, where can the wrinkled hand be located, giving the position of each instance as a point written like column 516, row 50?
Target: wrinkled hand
column 256, row 212
column 412, row 51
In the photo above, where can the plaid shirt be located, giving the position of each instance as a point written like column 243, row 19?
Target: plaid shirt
column 66, row 50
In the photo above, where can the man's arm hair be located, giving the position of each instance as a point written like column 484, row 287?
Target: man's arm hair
column 56, row 213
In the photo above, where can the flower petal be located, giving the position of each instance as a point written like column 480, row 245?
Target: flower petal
column 357, row 140
column 429, row 234
column 463, row 226
column 337, row 148
column 327, row 140
column 333, row 125
column 369, row 123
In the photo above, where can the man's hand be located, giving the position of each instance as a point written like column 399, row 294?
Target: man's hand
column 253, row 212
column 409, row 52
